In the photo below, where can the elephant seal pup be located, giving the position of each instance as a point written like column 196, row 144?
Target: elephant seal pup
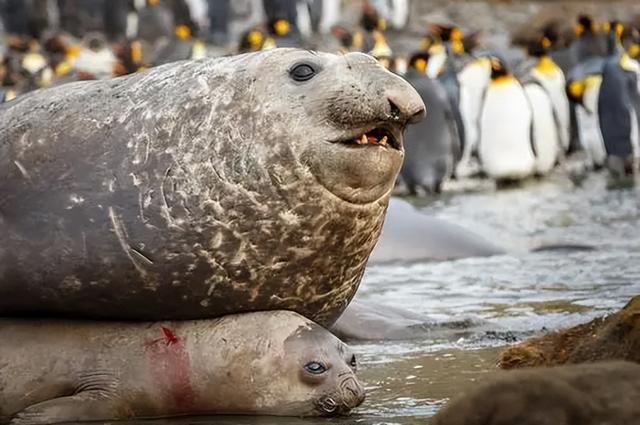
column 199, row 189
column 586, row 394
column 263, row 363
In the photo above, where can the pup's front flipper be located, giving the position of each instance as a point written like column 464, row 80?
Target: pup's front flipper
column 84, row 406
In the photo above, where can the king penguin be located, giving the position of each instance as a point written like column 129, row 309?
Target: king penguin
column 619, row 109
column 505, row 147
column 585, row 93
column 474, row 79
column 433, row 145
column 546, row 138
column 549, row 75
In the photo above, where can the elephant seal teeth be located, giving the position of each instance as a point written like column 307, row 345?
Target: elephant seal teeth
column 376, row 137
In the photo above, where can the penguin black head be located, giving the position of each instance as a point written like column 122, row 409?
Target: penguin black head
column 551, row 33
column 616, row 29
column 585, row 24
column 370, row 20
column 419, row 61
column 539, row 47
column 498, row 68
column 452, row 35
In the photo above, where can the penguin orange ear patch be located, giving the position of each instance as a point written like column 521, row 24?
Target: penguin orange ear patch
column 282, row 27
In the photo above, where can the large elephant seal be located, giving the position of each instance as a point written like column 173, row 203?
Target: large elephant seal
column 199, row 189
column 586, row 394
column 264, row 363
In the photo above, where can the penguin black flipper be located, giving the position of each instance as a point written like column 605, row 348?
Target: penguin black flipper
column 532, row 130
column 453, row 122
column 634, row 94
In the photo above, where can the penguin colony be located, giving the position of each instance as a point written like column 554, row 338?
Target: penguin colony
column 523, row 115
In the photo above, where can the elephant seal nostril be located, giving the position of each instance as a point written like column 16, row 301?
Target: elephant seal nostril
column 352, row 393
column 327, row 405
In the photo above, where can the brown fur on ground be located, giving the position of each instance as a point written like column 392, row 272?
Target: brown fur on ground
column 614, row 337
column 586, row 394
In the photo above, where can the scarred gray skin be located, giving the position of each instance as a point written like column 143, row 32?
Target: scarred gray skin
column 198, row 189
column 252, row 363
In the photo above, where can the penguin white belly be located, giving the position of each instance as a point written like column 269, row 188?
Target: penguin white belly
column 545, row 132
column 589, row 124
column 635, row 140
column 436, row 63
column 505, row 132
column 473, row 80
column 555, row 87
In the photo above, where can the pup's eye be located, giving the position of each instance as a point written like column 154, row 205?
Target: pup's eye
column 302, row 72
column 315, row 368
column 353, row 362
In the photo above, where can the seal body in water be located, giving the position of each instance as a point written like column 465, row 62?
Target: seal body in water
column 585, row 394
column 409, row 235
column 263, row 363
column 198, row 189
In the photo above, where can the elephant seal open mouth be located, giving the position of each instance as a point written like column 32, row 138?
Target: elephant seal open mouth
column 198, row 189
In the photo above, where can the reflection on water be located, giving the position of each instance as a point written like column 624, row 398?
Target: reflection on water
column 504, row 298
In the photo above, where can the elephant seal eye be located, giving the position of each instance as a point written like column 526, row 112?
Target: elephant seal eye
column 302, row 72
column 315, row 368
column 353, row 362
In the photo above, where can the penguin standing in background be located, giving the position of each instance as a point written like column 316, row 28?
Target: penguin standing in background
column 551, row 78
column 155, row 22
column 115, row 14
column 220, row 14
column 432, row 146
column 506, row 147
column 473, row 79
column 182, row 46
column 585, row 93
column 363, row 39
column 619, row 112
column 252, row 40
column 546, row 137
column 590, row 42
column 282, row 34
column 456, row 59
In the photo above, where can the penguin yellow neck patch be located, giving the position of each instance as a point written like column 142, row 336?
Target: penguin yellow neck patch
column 546, row 65
column 183, row 32
column 502, row 80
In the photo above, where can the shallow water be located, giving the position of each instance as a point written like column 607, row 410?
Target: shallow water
column 503, row 299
